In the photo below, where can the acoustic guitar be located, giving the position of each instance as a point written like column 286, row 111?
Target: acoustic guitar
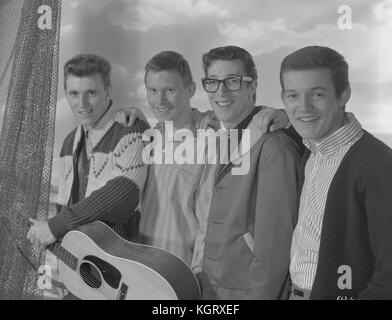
column 96, row 263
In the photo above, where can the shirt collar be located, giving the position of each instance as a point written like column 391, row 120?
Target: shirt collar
column 101, row 128
column 190, row 125
column 244, row 123
column 337, row 139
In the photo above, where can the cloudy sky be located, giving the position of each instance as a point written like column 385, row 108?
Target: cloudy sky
column 130, row 32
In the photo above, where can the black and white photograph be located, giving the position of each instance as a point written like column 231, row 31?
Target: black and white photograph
column 197, row 150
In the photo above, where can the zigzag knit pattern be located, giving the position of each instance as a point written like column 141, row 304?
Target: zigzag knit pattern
column 117, row 174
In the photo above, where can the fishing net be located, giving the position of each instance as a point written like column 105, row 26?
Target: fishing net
column 29, row 48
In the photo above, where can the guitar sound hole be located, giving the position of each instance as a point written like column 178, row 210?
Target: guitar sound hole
column 90, row 275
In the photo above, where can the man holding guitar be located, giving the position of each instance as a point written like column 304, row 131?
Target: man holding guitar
column 101, row 176
column 101, row 167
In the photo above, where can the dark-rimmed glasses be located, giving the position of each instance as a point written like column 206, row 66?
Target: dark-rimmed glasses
column 234, row 83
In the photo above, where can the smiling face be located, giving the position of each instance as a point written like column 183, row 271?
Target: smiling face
column 87, row 98
column 168, row 96
column 231, row 107
column 311, row 103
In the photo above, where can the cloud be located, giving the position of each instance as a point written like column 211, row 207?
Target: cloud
column 141, row 91
column 119, row 70
column 382, row 39
column 366, row 48
column 379, row 120
column 148, row 13
column 142, row 15
column 128, row 33
column 94, row 6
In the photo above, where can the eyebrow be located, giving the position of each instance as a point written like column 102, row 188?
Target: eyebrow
column 312, row 89
column 317, row 88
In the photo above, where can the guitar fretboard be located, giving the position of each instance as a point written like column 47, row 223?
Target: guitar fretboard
column 64, row 255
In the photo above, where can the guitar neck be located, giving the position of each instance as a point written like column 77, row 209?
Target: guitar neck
column 64, row 255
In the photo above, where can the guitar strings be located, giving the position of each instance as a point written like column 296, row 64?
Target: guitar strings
column 89, row 276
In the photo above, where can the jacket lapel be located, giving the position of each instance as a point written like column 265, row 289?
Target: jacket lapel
column 237, row 154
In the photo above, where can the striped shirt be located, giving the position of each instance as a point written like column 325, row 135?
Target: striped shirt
column 168, row 219
column 324, row 161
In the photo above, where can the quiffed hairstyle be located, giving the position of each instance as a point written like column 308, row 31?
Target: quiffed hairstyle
column 317, row 57
column 84, row 65
column 170, row 61
column 230, row 53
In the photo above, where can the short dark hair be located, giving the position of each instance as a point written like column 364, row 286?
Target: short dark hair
column 230, row 53
column 170, row 61
column 84, row 65
column 317, row 57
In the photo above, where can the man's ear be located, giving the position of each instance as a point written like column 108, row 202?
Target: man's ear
column 253, row 85
column 108, row 93
column 192, row 89
column 345, row 96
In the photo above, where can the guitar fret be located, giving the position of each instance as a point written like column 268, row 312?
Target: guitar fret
column 64, row 255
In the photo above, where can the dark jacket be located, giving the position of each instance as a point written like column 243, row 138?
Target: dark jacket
column 356, row 235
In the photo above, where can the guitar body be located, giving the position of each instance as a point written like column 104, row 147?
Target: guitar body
column 109, row 267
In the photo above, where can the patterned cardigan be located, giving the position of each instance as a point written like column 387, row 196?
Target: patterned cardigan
column 116, row 176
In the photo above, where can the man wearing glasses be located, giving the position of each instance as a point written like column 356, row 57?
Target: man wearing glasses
column 168, row 206
column 242, row 250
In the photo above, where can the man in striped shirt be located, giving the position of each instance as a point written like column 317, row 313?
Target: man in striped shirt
column 167, row 211
column 342, row 244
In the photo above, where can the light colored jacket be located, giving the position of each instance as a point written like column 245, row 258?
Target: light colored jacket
column 250, row 223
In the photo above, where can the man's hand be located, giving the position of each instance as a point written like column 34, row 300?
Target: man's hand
column 127, row 116
column 271, row 119
column 40, row 234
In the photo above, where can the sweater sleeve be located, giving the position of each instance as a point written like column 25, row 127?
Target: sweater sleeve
column 275, row 218
column 117, row 199
column 377, row 184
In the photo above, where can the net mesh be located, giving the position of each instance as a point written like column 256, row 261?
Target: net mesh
column 28, row 94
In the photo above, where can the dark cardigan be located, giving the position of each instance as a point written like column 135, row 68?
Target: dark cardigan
column 357, row 226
